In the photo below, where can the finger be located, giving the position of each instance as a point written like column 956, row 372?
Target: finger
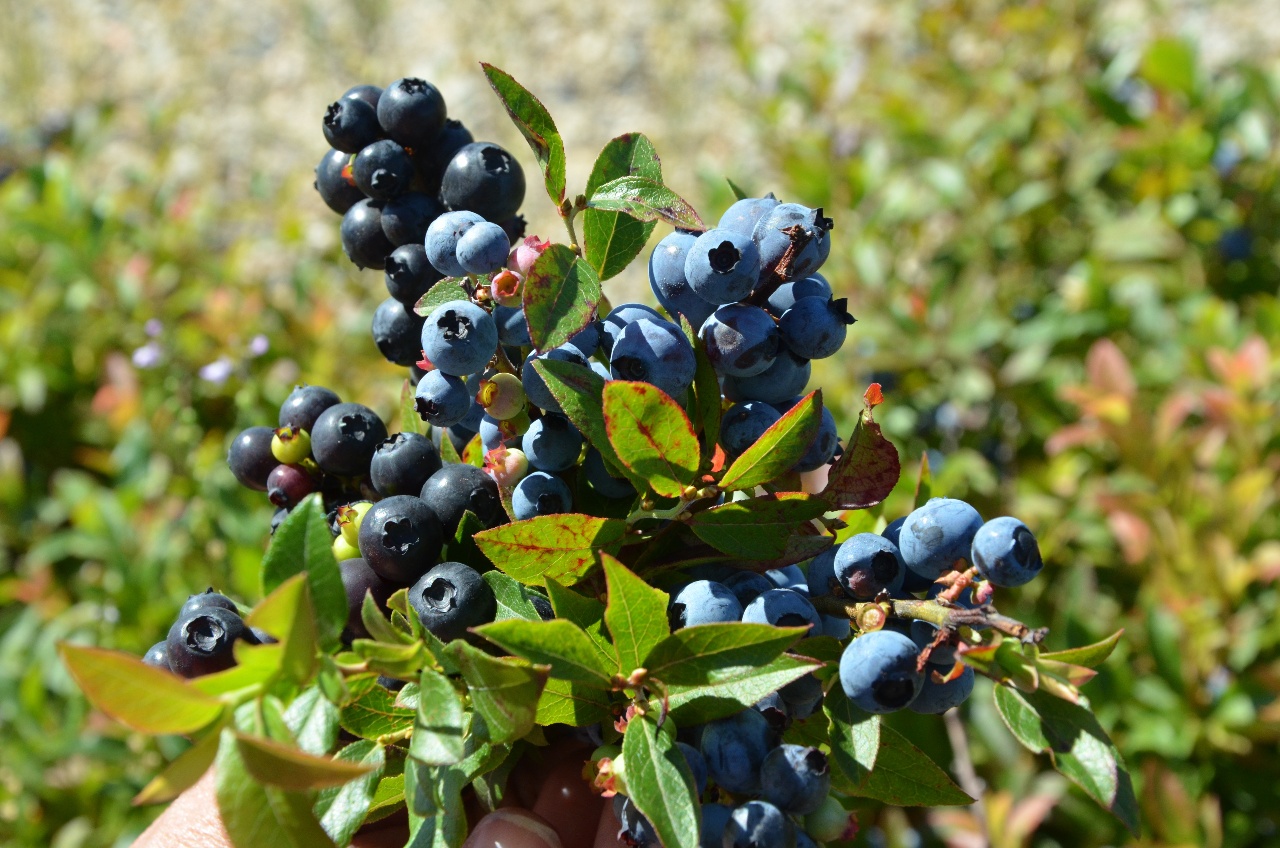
column 568, row 803
column 513, row 828
column 192, row 819
column 607, row 829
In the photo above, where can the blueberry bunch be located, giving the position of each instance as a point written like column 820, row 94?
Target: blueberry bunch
column 203, row 636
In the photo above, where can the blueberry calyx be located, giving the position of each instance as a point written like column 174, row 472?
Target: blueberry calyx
column 724, row 258
column 454, row 326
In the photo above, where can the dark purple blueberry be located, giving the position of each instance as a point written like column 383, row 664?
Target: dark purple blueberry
column 434, row 158
column 456, row 488
column 358, row 579
column 351, row 124
column 451, row 598
column 200, row 642
column 403, row 463
column 412, row 112
column 338, row 194
column 250, row 458
column 363, row 240
column 409, row 275
column 405, row 218
column 366, row 92
column 288, row 485
column 304, row 404
column 157, row 656
column 397, row 331
column 345, row 437
column 485, row 179
column 400, row 538
column 382, row 170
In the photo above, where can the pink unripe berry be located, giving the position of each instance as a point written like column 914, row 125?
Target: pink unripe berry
column 507, row 466
column 525, row 254
column 502, row 396
column 506, row 287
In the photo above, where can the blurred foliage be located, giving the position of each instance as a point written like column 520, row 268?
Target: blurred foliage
column 1065, row 257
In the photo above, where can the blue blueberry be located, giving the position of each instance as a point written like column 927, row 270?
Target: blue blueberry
column 668, row 282
column 441, row 400
column 697, row 765
column 923, row 633
column 552, row 443
column 636, row 830
column 703, row 602
column 450, row 598
column 878, row 671
column 483, row 248
column 744, row 214
column 802, row 696
column 722, row 266
column 618, row 319
column 893, row 530
column 815, row 328
column 405, row 219
column 795, row 779
column 782, row 608
column 513, row 330
column 789, row 577
column 785, row 296
column 744, row 423
column 937, row 535
column 821, row 571
column 734, row 749
column 459, row 338
column 868, row 564
column 602, row 481
column 824, row 445
column 1006, row 553
column 587, row 339
column 759, row 824
column 540, row 493
column 747, row 586
column 655, row 352
column 442, row 241
column 835, row 626
column 493, row 432
column 741, row 340
column 382, row 170
column 937, row 698
column 773, row 243
column 715, row 817
column 535, row 388
column 781, row 381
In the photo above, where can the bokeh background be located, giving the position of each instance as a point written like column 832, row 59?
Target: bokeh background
column 1056, row 221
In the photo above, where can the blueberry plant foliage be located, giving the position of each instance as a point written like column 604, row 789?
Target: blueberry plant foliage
column 669, row 586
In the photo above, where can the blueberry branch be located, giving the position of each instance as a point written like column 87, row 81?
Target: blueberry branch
column 940, row 615
column 568, row 211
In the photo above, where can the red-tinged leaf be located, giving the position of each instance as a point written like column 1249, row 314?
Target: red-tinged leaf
column 706, row 399
column 779, row 448
column 611, row 239
column 560, row 547
column 472, row 451
column 873, row 396
column 137, row 695
column 652, row 437
column 560, row 296
column 645, row 200
column 535, row 124
column 867, row 471
column 580, row 393
column 758, row 528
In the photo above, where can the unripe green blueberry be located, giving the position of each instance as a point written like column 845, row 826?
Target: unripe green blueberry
column 291, row 445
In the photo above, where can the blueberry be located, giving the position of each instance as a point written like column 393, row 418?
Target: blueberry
column 441, row 399
column 400, row 538
column 703, row 602
column 403, row 463
column 358, row 579
column 535, row 388
column 363, row 240
column 201, row 641
column 744, row 214
column 759, row 824
column 734, row 749
column 878, row 671
column 405, row 218
column 821, row 571
column 157, row 656
column 824, row 446
column 636, row 831
column 345, row 437
column 697, row 765
column 207, row 599
column 781, row 381
column 250, row 458
column 442, row 239
column 451, row 598
column 304, row 404
column 434, row 158
column 774, row 709
column 483, row 248
column 782, row 608
column 494, row 433
column 459, row 338
column 368, row 93
column 1006, row 553
column 409, row 275
column 836, row 626
column 937, row 698
column 668, row 282
column 722, row 266
column 618, row 319
column 351, row 124
column 715, row 817
column 397, row 331
column 540, row 493
column 287, row 485
column 802, row 696
column 795, row 779
column 747, row 586
column 552, row 443
column 789, row 577
column 338, row 194
column 456, row 488
column 785, row 296
column 744, row 423
column 513, row 330
column 741, row 341
column 587, row 340
column 893, row 530
column 602, row 480
column 811, row 242
column 412, row 112
column 815, row 328
column 937, row 535
column 655, row 352
column 868, row 564
column 485, row 179
column 382, row 170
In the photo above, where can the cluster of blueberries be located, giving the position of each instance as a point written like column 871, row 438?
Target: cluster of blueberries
column 201, row 638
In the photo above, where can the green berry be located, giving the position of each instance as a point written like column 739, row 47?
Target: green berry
column 291, row 445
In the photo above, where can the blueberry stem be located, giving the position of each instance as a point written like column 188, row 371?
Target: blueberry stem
column 939, row 615
column 568, row 212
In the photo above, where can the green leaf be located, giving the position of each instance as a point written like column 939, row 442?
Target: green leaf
column 256, row 666
column 303, row 544
column 708, row 652
column 580, row 393
column 535, row 124
column 1076, row 743
column 377, row 624
column 905, row 776
column 924, row 483
column 652, row 437
column 373, row 712
column 473, row 452
column 636, row 615
column 854, row 737
column 558, row 546
column 706, row 396
column 559, row 644
column 738, row 193
column 181, row 774
column 410, row 420
column 313, row 720
column 660, row 783
column 462, row 548
column 645, row 200
column 758, row 528
column 732, row 689
column 342, row 810
column 503, row 690
column 394, row 659
column 611, row 239
column 867, row 471
column 437, row 733
column 587, row 613
column 448, row 453
column 1089, row 656
column 1170, row 64
column 288, row 615
column 566, row 702
column 137, row 695
column 441, row 292
column 779, row 448
column 514, row 599
column 254, row 814
column 560, row 296
column 276, row 764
